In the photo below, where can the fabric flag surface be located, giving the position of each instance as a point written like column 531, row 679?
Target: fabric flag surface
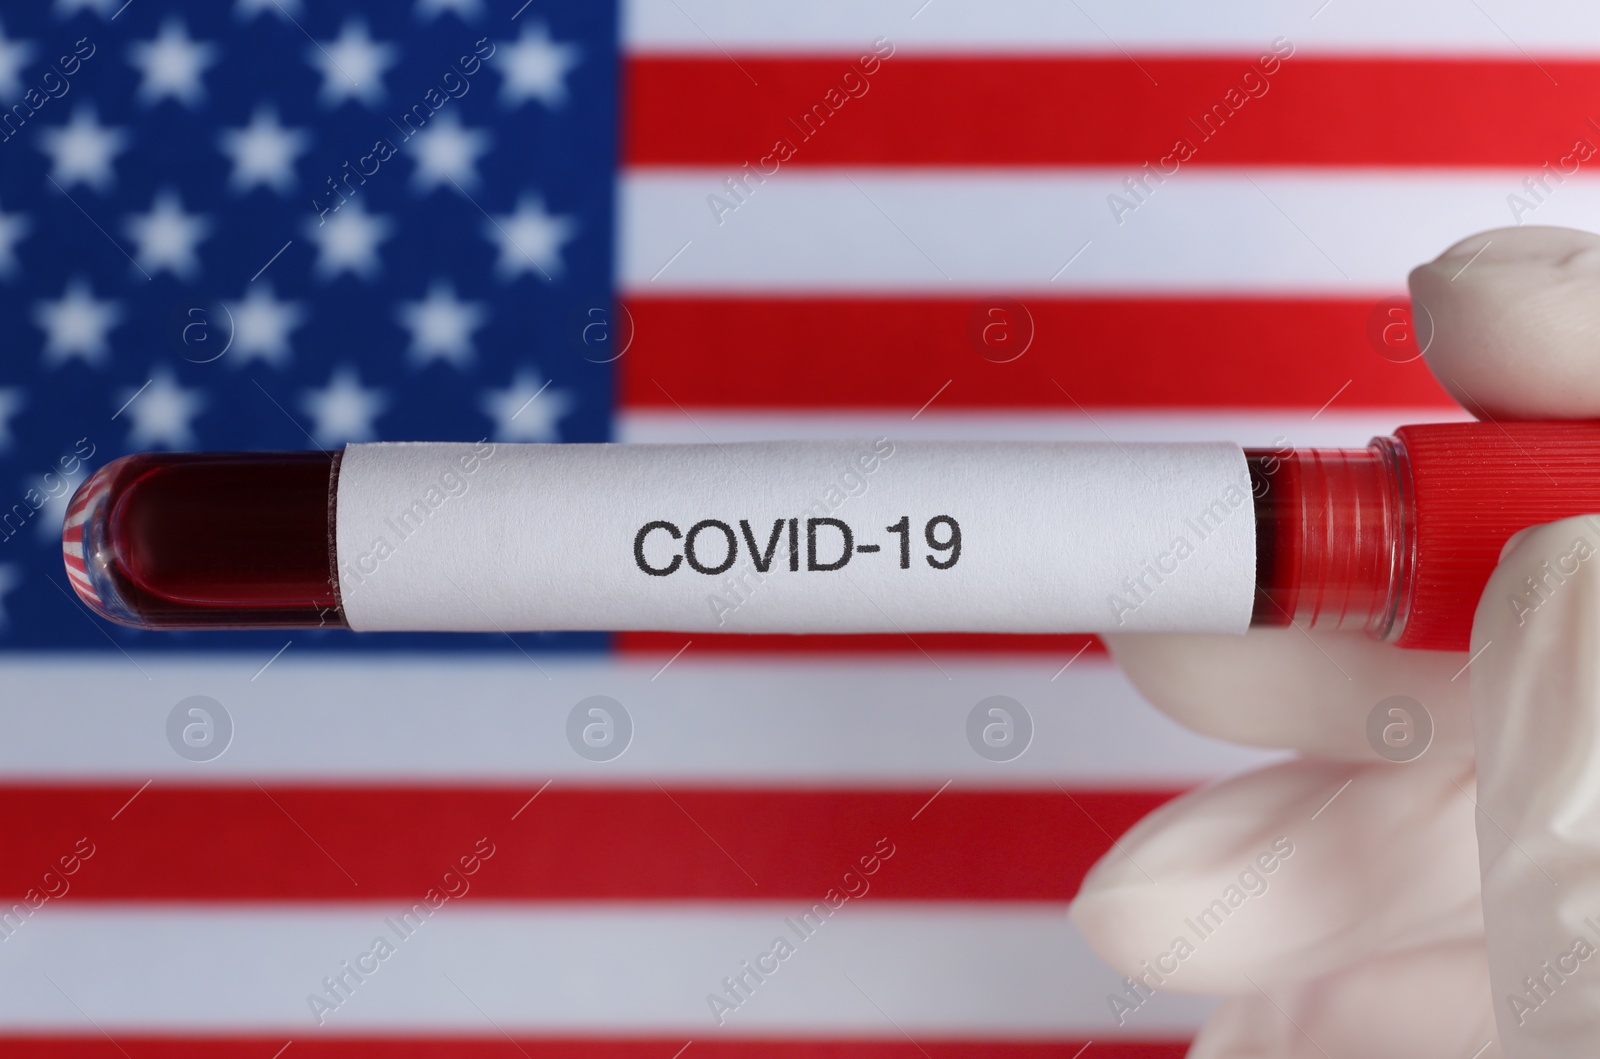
column 273, row 224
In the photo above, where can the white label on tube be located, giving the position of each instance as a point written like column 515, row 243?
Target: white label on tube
column 804, row 536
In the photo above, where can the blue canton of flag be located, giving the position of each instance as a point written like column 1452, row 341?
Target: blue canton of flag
column 275, row 226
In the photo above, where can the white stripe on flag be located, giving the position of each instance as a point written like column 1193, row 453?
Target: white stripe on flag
column 1106, row 27
column 1264, row 429
column 1343, row 234
column 935, row 969
column 492, row 719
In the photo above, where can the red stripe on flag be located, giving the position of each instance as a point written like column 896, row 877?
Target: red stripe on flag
column 282, row 843
column 1061, row 110
column 1189, row 353
column 1067, row 645
column 704, row 1047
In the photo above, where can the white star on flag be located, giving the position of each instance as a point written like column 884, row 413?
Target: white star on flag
column 245, row 10
column 47, row 524
column 352, row 66
column 468, row 10
column 14, row 55
column 441, row 325
column 9, row 580
column 167, row 237
column 161, row 412
column 527, row 410
column 261, row 326
column 103, row 8
column 530, row 240
column 171, row 65
column 81, row 150
column 76, row 325
column 348, row 241
column 14, row 227
column 11, row 402
column 535, row 67
column 263, row 152
column 343, row 410
column 446, row 151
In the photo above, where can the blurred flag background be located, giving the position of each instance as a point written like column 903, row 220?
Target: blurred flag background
column 274, row 224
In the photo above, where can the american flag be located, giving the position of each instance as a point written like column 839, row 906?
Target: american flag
column 274, row 224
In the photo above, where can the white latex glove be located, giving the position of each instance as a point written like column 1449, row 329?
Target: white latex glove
column 1349, row 895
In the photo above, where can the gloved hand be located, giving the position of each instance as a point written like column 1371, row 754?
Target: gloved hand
column 1349, row 906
